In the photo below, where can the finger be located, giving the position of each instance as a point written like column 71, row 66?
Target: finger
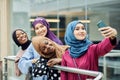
column 49, row 64
column 106, row 30
column 50, row 61
column 108, row 34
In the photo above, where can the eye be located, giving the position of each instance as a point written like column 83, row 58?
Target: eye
column 83, row 28
column 22, row 33
column 36, row 28
column 46, row 42
column 42, row 48
column 77, row 28
column 17, row 36
column 41, row 26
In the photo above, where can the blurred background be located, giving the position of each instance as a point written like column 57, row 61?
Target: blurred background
column 21, row 13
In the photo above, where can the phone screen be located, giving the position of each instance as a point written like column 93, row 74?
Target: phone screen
column 101, row 24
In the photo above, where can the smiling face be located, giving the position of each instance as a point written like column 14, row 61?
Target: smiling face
column 40, row 30
column 47, row 47
column 21, row 36
column 80, row 32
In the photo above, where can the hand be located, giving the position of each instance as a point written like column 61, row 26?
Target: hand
column 54, row 61
column 34, row 60
column 108, row 32
column 17, row 72
column 17, row 59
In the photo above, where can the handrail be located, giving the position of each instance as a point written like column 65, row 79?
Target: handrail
column 96, row 74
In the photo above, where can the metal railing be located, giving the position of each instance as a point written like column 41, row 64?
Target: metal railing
column 5, row 73
column 1, row 71
column 97, row 75
column 113, row 53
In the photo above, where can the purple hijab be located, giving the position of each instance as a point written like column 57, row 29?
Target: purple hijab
column 49, row 34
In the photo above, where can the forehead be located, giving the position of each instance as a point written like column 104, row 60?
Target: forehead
column 43, row 41
column 38, row 24
column 19, row 31
column 79, row 25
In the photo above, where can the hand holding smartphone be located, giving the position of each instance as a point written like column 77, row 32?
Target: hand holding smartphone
column 101, row 24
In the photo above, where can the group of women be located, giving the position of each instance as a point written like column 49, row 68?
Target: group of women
column 46, row 50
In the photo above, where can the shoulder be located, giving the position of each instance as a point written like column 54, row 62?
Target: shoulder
column 20, row 52
column 66, row 54
column 30, row 48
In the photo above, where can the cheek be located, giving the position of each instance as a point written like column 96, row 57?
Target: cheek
column 45, row 31
column 36, row 32
column 85, row 33
column 76, row 33
column 26, row 36
column 53, row 49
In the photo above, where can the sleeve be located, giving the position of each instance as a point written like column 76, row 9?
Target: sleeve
column 26, row 60
column 113, row 41
column 63, row 74
column 104, row 47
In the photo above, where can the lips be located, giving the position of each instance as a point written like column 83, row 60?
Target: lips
column 24, row 39
column 81, row 35
column 50, row 49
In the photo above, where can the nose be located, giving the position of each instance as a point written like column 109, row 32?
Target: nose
column 21, row 35
column 81, row 30
column 49, row 46
column 40, row 30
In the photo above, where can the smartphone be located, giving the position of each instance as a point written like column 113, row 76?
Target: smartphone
column 101, row 24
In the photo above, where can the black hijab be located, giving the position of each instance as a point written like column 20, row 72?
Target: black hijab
column 23, row 46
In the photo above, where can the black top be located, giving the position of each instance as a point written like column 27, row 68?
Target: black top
column 41, row 68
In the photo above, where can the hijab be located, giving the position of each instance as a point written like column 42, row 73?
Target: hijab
column 14, row 37
column 49, row 34
column 77, row 47
column 59, row 49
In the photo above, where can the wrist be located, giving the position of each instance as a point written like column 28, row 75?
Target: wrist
column 112, row 37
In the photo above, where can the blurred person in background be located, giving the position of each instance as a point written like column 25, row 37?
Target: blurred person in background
column 20, row 38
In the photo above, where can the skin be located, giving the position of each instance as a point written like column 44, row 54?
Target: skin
column 40, row 29
column 80, row 32
column 21, row 36
column 108, row 32
column 46, row 47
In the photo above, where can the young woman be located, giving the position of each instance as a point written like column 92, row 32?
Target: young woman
column 21, row 39
column 49, row 51
column 41, row 28
column 83, row 53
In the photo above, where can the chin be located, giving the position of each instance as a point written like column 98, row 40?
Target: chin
column 81, row 38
